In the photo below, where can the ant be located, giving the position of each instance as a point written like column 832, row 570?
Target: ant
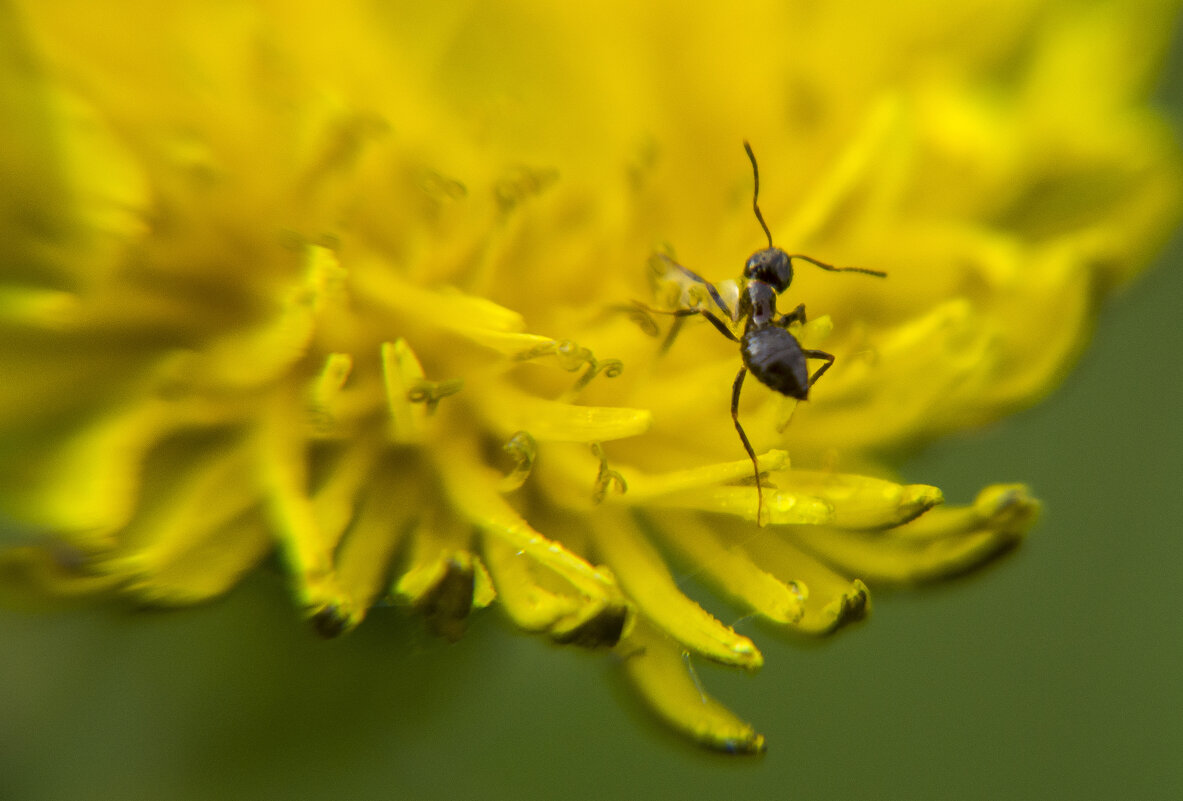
column 769, row 351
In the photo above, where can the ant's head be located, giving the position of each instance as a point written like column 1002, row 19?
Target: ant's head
column 772, row 266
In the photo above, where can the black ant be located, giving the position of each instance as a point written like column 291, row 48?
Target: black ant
column 769, row 351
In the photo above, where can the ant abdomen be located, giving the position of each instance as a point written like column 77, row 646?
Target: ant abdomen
column 775, row 358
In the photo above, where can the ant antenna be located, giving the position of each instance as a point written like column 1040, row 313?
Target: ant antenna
column 833, row 269
column 756, row 191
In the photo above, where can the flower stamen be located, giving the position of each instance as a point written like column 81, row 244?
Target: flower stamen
column 523, row 450
column 606, row 477
column 430, row 393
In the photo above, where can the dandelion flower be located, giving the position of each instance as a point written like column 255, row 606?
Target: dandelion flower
column 356, row 285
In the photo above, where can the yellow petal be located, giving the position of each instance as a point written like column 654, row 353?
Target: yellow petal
column 198, row 528
column 644, row 578
column 256, row 357
column 538, row 599
column 832, row 601
column 861, row 502
column 780, row 507
column 209, row 566
column 401, row 372
column 30, row 575
column 728, row 568
column 659, row 670
column 376, row 525
column 63, row 490
column 325, row 396
column 944, row 543
column 545, row 420
column 283, row 478
column 644, row 487
column 440, row 582
column 349, row 471
column 472, row 488
column 850, row 173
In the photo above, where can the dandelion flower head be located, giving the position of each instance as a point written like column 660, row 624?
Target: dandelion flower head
column 357, row 285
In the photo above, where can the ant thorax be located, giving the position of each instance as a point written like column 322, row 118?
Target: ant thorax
column 758, row 304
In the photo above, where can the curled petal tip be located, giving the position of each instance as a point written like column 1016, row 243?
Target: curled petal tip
column 1009, row 508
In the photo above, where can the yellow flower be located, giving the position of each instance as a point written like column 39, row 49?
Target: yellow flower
column 357, row 284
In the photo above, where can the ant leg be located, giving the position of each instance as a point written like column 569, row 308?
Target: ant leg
column 671, row 335
column 715, row 321
column 797, row 315
column 714, row 293
column 747, row 446
column 819, row 354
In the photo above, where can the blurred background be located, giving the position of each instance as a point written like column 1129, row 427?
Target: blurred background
column 1053, row 674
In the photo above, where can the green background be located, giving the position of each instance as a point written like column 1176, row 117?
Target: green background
column 1054, row 674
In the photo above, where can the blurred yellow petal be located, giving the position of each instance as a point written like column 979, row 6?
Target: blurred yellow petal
column 209, row 566
column 940, row 545
column 30, row 575
column 373, row 525
column 564, row 422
